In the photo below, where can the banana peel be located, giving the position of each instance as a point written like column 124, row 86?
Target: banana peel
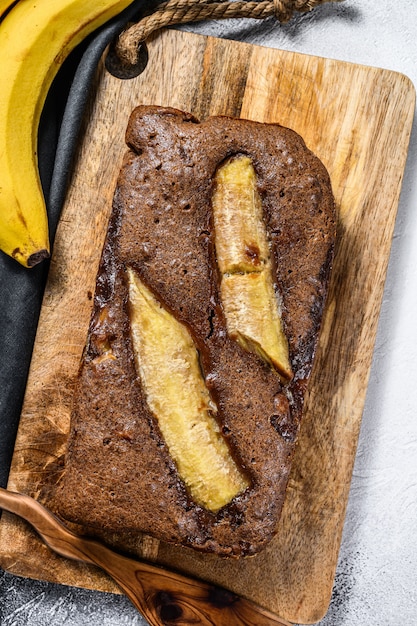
column 5, row 5
column 35, row 40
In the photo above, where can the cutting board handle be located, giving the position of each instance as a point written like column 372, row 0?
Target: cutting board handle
column 165, row 598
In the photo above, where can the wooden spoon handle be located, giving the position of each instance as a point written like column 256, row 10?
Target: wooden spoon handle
column 165, row 598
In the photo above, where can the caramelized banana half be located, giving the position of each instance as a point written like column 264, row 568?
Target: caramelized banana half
column 167, row 362
column 248, row 295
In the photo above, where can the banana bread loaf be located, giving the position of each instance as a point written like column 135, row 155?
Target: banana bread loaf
column 179, row 330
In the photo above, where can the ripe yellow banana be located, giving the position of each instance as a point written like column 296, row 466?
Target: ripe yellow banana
column 4, row 5
column 36, row 36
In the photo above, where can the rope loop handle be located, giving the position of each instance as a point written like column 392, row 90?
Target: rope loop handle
column 181, row 11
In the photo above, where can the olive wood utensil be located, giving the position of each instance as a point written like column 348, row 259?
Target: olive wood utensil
column 163, row 597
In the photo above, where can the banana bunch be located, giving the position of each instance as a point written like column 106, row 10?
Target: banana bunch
column 36, row 37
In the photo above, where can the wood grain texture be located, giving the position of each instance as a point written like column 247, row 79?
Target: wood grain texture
column 162, row 596
column 358, row 121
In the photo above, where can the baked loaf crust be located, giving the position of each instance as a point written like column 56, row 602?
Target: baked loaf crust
column 119, row 475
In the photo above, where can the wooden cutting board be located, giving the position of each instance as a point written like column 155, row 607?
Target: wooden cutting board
column 357, row 120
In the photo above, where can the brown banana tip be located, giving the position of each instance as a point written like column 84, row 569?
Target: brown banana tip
column 37, row 257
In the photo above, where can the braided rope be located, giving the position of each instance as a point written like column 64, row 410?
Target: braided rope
column 182, row 11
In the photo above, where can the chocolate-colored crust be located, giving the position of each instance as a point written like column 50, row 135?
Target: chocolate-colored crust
column 119, row 475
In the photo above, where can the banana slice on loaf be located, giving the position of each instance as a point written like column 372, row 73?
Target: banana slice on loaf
column 207, row 310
